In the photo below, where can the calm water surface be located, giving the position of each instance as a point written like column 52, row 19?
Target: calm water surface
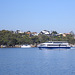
column 32, row 61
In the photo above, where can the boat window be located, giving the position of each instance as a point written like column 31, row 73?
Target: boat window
column 42, row 44
column 48, row 42
column 52, row 45
column 60, row 42
column 56, row 45
column 63, row 45
column 57, row 42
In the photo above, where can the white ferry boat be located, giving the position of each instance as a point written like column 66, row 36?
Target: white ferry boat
column 25, row 46
column 54, row 44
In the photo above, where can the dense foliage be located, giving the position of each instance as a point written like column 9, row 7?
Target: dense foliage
column 10, row 39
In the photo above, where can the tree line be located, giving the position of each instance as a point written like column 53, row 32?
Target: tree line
column 11, row 39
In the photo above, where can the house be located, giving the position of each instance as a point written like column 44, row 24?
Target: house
column 18, row 31
column 46, row 32
column 35, row 33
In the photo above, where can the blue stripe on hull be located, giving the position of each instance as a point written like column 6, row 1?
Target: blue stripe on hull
column 55, row 47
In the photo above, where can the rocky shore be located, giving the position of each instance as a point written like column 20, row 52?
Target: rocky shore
column 16, row 46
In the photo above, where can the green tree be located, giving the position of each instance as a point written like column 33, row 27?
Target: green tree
column 34, row 39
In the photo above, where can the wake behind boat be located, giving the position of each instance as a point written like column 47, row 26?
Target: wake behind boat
column 54, row 45
column 25, row 46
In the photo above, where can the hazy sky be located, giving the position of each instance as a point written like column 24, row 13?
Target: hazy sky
column 37, row 15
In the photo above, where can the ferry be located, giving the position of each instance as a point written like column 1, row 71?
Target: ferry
column 54, row 45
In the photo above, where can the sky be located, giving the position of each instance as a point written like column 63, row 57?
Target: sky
column 38, row 15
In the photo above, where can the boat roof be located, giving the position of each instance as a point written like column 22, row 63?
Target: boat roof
column 57, row 42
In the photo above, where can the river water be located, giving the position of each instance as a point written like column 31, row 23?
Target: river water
column 32, row 61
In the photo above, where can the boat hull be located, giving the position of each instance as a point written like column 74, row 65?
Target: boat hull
column 55, row 47
column 25, row 47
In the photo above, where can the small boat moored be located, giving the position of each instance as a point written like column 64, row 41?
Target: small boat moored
column 55, row 45
column 25, row 46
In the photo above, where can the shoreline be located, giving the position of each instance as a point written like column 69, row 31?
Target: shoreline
column 16, row 46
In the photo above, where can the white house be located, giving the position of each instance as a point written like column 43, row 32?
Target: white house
column 45, row 32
